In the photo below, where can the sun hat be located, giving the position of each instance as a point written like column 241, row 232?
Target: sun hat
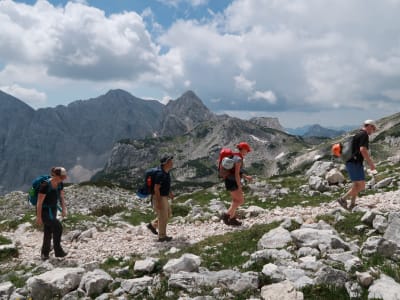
column 243, row 145
column 371, row 122
column 165, row 158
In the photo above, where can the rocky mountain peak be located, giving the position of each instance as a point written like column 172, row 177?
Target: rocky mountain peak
column 183, row 114
column 268, row 122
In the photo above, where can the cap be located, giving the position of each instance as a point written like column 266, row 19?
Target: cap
column 243, row 145
column 370, row 122
column 166, row 158
column 59, row 171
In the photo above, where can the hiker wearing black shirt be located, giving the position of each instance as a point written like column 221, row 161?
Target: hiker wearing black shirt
column 162, row 191
column 355, row 166
column 50, row 193
column 233, row 184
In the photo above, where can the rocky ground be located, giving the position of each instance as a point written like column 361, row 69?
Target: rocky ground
column 125, row 239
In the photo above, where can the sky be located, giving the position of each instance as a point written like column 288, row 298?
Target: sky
column 331, row 62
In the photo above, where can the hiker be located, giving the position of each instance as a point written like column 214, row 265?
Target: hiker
column 355, row 166
column 162, row 191
column 233, row 184
column 50, row 192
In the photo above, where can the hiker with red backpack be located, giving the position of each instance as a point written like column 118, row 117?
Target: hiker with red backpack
column 50, row 192
column 232, row 178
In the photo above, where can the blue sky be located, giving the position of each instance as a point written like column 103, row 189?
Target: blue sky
column 332, row 62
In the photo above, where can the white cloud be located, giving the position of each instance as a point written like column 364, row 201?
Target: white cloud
column 267, row 96
column 305, row 55
column 31, row 96
column 241, row 83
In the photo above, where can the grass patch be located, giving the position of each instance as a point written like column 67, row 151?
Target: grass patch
column 201, row 198
column 14, row 223
column 135, row 217
column 108, row 211
column 77, row 221
column 7, row 253
column 4, row 240
column 385, row 265
column 225, row 251
column 326, row 292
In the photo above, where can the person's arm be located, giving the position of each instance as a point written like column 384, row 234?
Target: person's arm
column 39, row 206
column 238, row 166
column 63, row 206
column 364, row 152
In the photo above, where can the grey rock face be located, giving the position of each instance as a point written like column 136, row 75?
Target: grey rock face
column 54, row 283
column 275, row 238
column 95, row 282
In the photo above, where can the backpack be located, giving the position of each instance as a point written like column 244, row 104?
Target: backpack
column 343, row 150
column 148, row 185
column 226, row 162
column 34, row 190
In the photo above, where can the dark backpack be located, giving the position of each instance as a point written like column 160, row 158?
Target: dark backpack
column 343, row 150
column 34, row 190
column 148, row 186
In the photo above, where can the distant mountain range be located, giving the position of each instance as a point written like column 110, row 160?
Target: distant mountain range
column 316, row 130
column 116, row 136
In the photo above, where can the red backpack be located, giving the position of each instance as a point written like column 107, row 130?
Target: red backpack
column 228, row 154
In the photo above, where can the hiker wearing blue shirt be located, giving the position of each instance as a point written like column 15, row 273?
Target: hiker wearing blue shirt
column 162, row 191
column 355, row 166
column 50, row 193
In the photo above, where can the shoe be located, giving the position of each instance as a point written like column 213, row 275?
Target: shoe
column 61, row 253
column 44, row 257
column 165, row 239
column 152, row 229
column 342, row 202
column 234, row 222
column 351, row 206
column 225, row 218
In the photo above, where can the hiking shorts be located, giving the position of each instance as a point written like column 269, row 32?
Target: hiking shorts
column 355, row 171
column 230, row 184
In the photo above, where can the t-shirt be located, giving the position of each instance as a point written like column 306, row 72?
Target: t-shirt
column 51, row 194
column 361, row 139
column 164, row 180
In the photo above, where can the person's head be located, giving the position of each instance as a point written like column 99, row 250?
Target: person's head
column 243, row 148
column 166, row 161
column 59, row 173
column 370, row 126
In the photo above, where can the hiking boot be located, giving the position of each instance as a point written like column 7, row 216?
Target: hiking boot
column 351, row 206
column 234, row 222
column 225, row 218
column 165, row 239
column 61, row 253
column 44, row 257
column 342, row 202
column 151, row 228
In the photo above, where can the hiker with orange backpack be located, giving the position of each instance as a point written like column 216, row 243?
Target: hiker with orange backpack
column 355, row 165
column 232, row 178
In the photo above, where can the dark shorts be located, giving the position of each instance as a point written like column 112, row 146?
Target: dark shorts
column 230, row 184
column 355, row 171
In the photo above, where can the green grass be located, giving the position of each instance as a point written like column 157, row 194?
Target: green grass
column 6, row 254
column 225, row 251
column 4, row 240
column 135, row 217
column 77, row 221
column 108, row 210
column 326, row 292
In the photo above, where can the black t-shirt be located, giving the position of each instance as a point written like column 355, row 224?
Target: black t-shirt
column 51, row 194
column 361, row 139
column 164, row 180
